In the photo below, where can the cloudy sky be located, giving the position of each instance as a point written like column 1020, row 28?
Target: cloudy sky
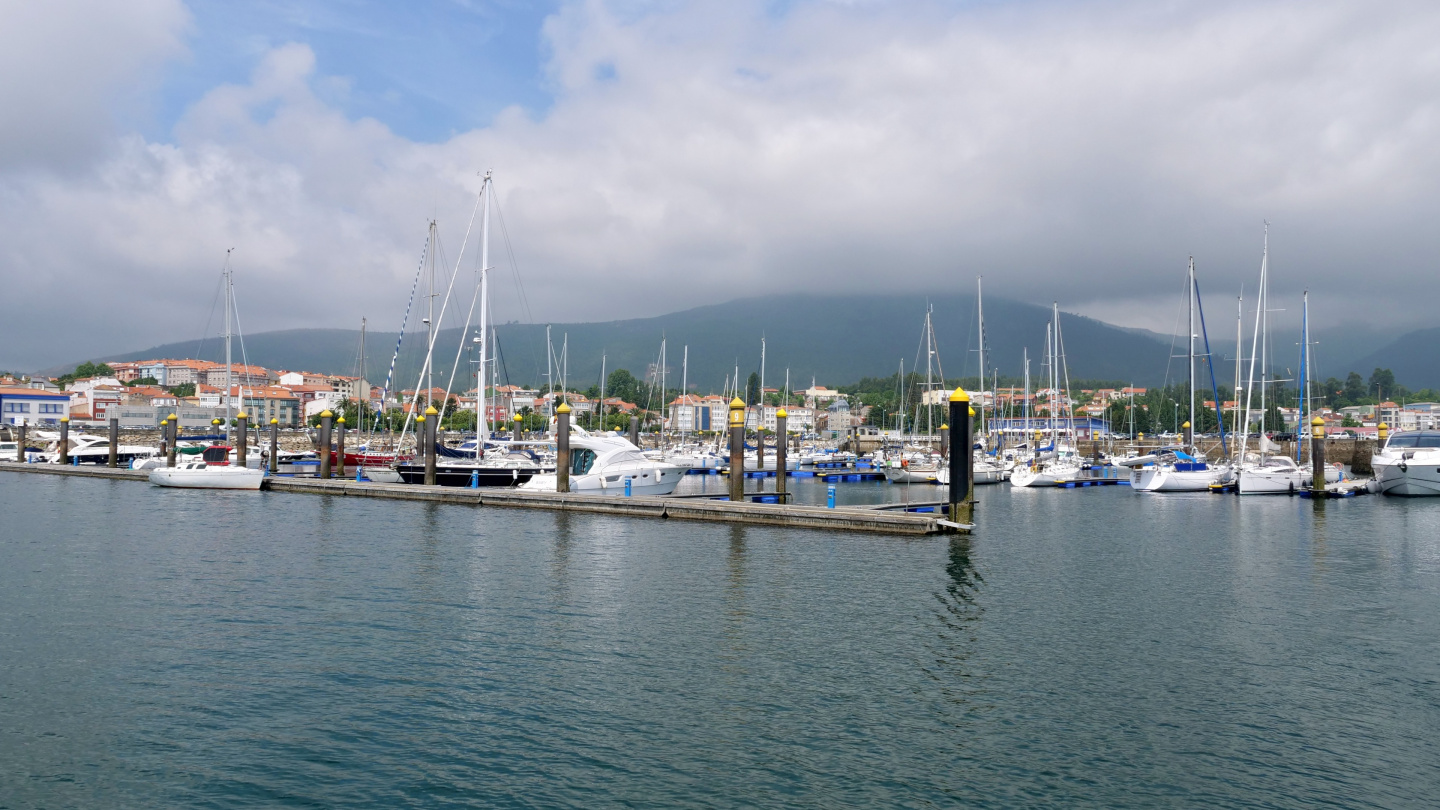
column 653, row 156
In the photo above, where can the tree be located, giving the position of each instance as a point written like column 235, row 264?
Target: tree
column 1383, row 381
column 621, row 383
column 182, row 390
column 752, row 389
column 1354, row 388
column 143, row 381
column 460, row 420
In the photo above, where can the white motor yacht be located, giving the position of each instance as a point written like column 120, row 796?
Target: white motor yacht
column 86, row 449
column 600, row 464
column 1409, row 464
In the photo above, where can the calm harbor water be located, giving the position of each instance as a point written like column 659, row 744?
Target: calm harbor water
column 1095, row 647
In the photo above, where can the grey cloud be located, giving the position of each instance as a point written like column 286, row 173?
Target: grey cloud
column 1077, row 152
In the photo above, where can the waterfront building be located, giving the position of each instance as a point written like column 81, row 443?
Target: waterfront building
column 32, row 406
column 239, row 375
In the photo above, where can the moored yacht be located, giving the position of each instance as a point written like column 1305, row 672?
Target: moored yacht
column 1409, row 464
column 212, row 471
column 601, row 464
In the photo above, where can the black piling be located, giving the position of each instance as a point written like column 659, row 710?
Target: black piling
column 1317, row 454
column 64, row 440
column 961, row 505
column 274, row 446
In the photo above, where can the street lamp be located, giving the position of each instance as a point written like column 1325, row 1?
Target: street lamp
column 1177, row 417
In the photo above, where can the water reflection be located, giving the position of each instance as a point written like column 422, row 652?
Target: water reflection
column 959, row 613
column 737, row 612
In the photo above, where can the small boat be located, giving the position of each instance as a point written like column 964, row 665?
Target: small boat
column 1409, row 464
column 212, row 471
column 1280, row 475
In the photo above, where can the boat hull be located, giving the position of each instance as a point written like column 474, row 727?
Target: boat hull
column 207, row 478
column 643, row 482
column 456, row 475
column 1279, row 482
column 910, row 475
column 1030, row 477
column 1408, row 479
column 1160, row 478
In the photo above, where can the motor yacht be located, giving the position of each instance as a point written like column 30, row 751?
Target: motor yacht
column 1409, row 464
column 600, row 464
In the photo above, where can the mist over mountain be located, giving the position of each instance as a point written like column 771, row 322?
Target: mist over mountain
column 833, row 340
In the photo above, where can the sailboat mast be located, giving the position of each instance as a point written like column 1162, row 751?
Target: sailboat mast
column 602, row 390
column 685, row 384
column 229, row 298
column 1239, row 354
column 483, row 423
column 1304, row 403
column 1190, row 291
column 980, row 307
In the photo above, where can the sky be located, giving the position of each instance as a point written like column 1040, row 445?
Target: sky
column 654, row 156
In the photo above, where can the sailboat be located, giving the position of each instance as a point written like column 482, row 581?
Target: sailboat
column 1180, row 468
column 1271, row 474
column 454, row 468
column 916, row 467
column 213, row 470
column 1056, row 463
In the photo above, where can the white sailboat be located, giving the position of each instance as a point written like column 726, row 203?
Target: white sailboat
column 1050, row 466
column 1179, row 468
column 214, row 470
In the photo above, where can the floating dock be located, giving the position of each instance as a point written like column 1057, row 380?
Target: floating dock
column 714, row 510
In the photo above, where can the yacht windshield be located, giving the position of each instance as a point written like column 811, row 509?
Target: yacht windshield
column 1424, row 438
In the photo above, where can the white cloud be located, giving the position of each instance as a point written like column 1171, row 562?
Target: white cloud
column 696, row 153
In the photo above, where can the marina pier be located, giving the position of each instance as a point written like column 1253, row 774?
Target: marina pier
column 870, row 520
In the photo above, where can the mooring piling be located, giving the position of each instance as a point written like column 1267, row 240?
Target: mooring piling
column 781, row 442
column 64, row 440
column 326, row 422
column 340, row 446
column 737, row 450
column 562, row 447
column 1317, row 454
column 114, row 460
column 242, row 446
column 432, row 434
column 960, row 503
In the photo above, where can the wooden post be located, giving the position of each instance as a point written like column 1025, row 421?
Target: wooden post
column 781, row 441
column 519, row 420
column 562, row 448
column 1317, row 455
column 20, row 446
column 242, row 447
column 945, row 441
column 114, row 442
column 326, row 418
column 174, row 436
column 737, row 450
column 274, row 464
column 960, row 456
column 340, row 445
column 432, row 434
column 1189, row 437
column 64, row 440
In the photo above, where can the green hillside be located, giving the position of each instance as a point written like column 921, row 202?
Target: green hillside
column 833, row 339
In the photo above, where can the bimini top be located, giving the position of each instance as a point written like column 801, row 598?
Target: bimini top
column 1414, row 438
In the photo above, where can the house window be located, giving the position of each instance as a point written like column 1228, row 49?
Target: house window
column 47, row 408
column 17, row 407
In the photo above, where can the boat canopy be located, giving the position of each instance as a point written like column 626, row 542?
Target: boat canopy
column 1422, row 438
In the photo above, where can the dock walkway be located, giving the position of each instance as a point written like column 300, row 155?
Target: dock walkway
column 715, row 511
